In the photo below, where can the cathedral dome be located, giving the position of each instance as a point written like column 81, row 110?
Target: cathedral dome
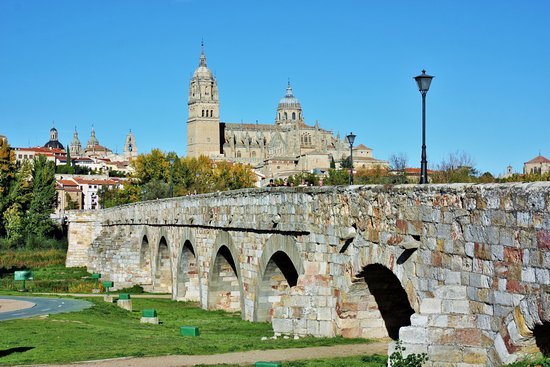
column 53, row 142
column 289, row 100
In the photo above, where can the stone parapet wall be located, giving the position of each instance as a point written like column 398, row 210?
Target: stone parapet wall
column 460, row 271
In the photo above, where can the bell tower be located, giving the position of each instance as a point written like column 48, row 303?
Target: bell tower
column 203, row 122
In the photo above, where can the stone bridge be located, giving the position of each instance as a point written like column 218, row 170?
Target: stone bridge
column 460, row 272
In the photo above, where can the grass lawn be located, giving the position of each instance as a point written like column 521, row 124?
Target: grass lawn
column 106, row 331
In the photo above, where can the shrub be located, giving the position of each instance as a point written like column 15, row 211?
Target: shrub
column 412, row 360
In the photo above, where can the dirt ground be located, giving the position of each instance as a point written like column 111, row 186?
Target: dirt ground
column 7, row 305
column 241, row 357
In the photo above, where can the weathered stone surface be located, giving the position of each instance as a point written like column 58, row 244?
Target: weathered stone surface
column 460, row 271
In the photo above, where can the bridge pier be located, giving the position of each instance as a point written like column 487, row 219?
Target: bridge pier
column 461, row 272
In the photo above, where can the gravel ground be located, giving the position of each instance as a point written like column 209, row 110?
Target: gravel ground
column 240, row 357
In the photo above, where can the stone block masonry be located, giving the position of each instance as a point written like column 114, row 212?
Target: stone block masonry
column 461, row 272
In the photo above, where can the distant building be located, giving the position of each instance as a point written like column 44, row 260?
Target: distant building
column 53, row 142
column 82, row 192
column 538, row 165
column 284, row 148
column 94, row 155
column 28, row 154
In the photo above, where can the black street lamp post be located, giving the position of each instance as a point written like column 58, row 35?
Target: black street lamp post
column 424, row 80
column 351, row 138
column 171, row 184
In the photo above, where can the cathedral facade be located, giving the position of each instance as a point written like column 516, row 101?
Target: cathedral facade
column 283, row 148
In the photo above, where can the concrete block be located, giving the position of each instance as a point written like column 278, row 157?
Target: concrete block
column 125, row 304
column 149, row 320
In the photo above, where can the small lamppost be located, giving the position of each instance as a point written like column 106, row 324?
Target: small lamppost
column 171, row 185
column 351, row 138
column 424, row 80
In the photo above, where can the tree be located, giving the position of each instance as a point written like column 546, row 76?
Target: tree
column 155, row 189
column 398, row 162
column 152, row 166
column 304, row 178
column 66, row 168
column 346, row 162
column 337, row 177
column 7, row 174
column 13, row 223
column 457, row 167
column 43, row 198
column 487, row 177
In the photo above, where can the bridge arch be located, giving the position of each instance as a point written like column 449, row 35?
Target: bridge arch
column 187, row 271
column 278, row 270
column 145, row 258
column 163, row 266
column 528, row 326
column 225, row 291
column 390, row 297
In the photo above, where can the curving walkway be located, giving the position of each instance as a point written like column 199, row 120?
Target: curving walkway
column 16, row 307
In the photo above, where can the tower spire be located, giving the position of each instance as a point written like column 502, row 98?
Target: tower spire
column 289, row 89
column 202, row 61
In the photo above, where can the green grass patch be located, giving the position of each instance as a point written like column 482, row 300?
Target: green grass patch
column 53, row 279
column 30, row 259
column 106, row 331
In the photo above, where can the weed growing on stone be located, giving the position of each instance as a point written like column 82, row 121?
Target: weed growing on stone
column 412, row 360
column 531, row 362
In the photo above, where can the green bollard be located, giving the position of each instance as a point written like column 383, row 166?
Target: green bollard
column 268, row 364
column 107, row 284
column 96, row 277
column 189, row 331
column 23, row 275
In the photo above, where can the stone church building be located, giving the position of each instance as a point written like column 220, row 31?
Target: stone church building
column 287, row 147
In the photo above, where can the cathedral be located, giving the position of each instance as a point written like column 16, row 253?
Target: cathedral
column 284, row 148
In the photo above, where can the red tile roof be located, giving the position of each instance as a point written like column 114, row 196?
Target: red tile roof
column 84, row 181
column 416, row 171
column 361, row 147
column 539, row 159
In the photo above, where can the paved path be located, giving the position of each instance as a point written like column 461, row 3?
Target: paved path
column 241, row 357
column 42, row 306
column 144, row 295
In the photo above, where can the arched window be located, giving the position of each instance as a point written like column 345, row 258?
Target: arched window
column 211, row 113
column 279, row 115
column 238, row 154
column 300, row 116
column 286, row 116
column 294, row 115
column 202, row 113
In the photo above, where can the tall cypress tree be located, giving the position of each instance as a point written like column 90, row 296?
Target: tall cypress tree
column 43, row 198
column 7, row 175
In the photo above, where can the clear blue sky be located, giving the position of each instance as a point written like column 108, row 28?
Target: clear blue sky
column 127, row 64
